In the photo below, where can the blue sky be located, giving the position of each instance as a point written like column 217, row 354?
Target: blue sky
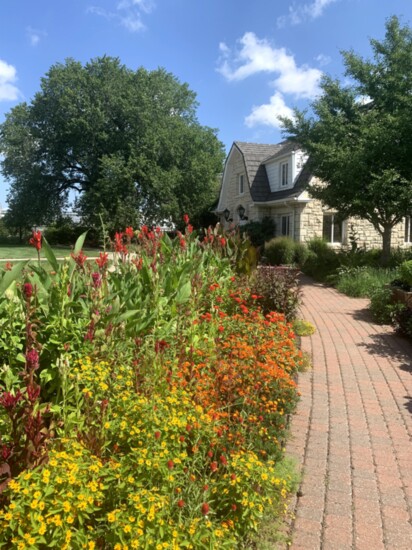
column 247, row 60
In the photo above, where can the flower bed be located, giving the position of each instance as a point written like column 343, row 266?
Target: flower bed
column 142, row 407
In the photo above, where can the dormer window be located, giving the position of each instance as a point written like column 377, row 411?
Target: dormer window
column 284, row 174
column 241, row 182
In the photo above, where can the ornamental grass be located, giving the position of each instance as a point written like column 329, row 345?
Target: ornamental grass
column 143, row 400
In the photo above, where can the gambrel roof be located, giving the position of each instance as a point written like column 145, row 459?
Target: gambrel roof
column 255, row 156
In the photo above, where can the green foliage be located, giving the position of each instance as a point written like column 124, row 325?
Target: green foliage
column 280, row 251
column 361, row 282
column 259, row 231
column 405, row 272
column 303, row 328
column 127, row 141
column 360, row 150
column 382, row 307
column 278, row 290
column 322, row 261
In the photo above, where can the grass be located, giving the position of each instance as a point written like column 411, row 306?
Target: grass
column 23, row 252
column 361, row 282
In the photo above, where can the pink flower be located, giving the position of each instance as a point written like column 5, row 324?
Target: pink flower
column 32, row 359
column 28, row 290
column 97, row 280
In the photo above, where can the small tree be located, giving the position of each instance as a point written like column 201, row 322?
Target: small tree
column 360, row 140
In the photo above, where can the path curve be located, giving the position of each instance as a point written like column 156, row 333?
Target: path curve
column 352, row 431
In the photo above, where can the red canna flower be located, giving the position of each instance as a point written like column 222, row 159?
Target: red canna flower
column 129, row 232
column 102, row 259
column 79, row 258
column 36, row 240
column 186, row 219
column 205, row 508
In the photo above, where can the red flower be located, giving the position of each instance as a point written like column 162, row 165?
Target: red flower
column 36, row 240
column 97, row 280
column 234, row 507
column 186, row 219
column 170, row 464
column 223, row 460
column 222, row 241
column 157, row 435
column 9, row 401
column 102, row 260
column 189, row 228
column 214, row 466
column 8, row 266
column 32, row 359
column 161, row 345
column 79, row 258
column 180, row 503
column 28, row 290
column 129, row 232
column 205, row 508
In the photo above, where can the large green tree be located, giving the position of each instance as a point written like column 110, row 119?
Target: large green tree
column 128, row 143
column 359, row 138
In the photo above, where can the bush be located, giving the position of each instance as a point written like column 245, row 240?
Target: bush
column 322, row 261
column 259, row 231
column 301, row 254
column 382, row 307
column 278, row 290
column 405, row 272
column 361, row 282
column 280, row 251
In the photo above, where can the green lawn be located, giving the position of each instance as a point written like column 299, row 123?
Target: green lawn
column 23, row 252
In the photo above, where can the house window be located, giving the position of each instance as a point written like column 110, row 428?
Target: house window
column 332, row 228
column 241, row 181
column 285, row 225
column 408, row 231
column 284, row 169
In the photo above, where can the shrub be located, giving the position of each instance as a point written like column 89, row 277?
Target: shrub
column 280, row 251
column 382, row 307
column 322, row 261
column 259, row 231
column 301, row 254
column 361, row 282
column 278, row 289
column 405, row 272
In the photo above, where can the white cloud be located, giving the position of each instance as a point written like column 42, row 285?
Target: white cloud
column 268, row 115
column 298, row 13
column 323, row 59
column 258, row 55
column 8, row 75
column 34, row 35
column 128, row 13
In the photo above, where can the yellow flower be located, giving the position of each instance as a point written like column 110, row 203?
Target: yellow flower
column 91, row 545
column 111, row 517
column 42, row 529
column 127, row 529
column 66, row 506
column 70, row 519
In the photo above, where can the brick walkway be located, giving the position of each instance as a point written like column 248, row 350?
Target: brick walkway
column 352, row 432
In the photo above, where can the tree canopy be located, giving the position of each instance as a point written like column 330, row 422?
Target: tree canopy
column 128, row 143
column 359, row 139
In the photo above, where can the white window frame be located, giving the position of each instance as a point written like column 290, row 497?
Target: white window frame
column 284, row 174
column 288, row 220
column 332, row 240
column 241, row 183
column 408, row 230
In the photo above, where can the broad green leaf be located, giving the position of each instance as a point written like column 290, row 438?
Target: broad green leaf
column 184, row 292
column 48, row 252
column 10, row 276
column 79, row 243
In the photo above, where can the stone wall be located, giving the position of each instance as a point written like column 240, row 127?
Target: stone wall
column 233, row 198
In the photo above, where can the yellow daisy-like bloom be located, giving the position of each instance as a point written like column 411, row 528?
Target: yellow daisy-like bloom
column 111, row 517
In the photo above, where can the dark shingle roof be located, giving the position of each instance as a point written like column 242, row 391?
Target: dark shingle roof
column 255, row 155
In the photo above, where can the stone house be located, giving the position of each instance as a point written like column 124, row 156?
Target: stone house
column 273, row 180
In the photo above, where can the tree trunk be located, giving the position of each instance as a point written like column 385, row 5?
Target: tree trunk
column 386, row 244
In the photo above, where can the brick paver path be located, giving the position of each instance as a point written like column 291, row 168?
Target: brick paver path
column 352, row 431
